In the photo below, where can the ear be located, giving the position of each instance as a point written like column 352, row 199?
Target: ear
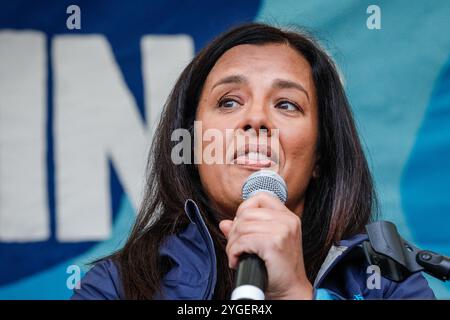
column 316, row 170
column 315, row 173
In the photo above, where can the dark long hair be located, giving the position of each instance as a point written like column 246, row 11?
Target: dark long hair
column 338, row 203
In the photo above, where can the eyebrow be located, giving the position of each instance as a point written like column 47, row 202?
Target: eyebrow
column 288, row 84
column 278, row 83
column 230, row 79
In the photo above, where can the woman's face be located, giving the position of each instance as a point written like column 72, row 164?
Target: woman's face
column 253, row 89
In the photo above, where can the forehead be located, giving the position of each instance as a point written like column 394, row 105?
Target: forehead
column 270, row 60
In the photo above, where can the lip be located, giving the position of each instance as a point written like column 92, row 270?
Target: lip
column 240, row 156
column 252, row 167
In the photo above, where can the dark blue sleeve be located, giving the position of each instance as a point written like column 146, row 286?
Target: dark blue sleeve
column 102, row 282
column 414, row 287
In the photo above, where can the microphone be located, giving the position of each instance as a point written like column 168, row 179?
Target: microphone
column 251, row 274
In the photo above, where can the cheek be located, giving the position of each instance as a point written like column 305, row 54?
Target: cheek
column 206, row 177
column 299, row 149
column 211, row 152
column 210, row 137
column 299, row 143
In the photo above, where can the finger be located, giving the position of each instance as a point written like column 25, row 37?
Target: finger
column 256, row 228
column 249, row 227
column 255, row 215
column 261, row 200
column 258, row 214
column 253, row 243
column 225, row 226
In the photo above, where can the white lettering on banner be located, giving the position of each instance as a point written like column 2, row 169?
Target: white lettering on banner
column 95, row 119
column 23, row 101
column 159, row 78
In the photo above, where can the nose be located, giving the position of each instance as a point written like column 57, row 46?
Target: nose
column 257, row 117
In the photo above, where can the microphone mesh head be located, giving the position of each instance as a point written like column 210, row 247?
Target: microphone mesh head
column 265, row 181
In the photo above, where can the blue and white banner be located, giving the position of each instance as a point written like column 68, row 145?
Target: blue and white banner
column 83, row 82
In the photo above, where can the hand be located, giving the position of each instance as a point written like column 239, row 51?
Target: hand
column 263, row 225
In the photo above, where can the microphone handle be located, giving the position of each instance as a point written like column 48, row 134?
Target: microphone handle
column 251, row 278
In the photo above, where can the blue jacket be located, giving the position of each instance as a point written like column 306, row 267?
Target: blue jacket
column 343, row 275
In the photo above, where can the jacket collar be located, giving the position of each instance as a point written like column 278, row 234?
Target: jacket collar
column 194, row 271
column 336, row 254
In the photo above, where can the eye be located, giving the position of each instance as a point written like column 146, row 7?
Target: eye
column 287, row 105
column 227, row 103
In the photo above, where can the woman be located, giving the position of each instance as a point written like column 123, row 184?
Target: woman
column 192, row 225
